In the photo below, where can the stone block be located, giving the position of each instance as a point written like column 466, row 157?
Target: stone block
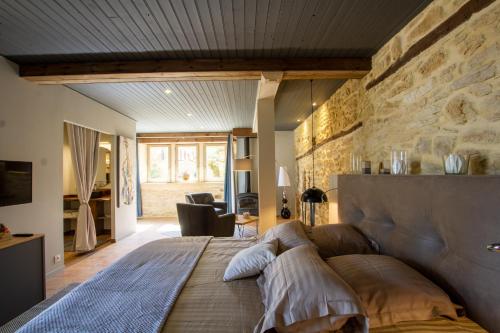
column 480, row 75
column 471, row 44
column 489, row 108
column 443, row 145
column 459, row 110
column 485, row 58
column 432, row 63
column 424, row 145
column 480, row 89
column 481, row 136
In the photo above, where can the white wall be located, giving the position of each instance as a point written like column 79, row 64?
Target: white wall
column 69, row 183
column 31, row 129
column 285, row 156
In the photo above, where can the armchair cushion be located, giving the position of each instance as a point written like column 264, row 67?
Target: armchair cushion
column 201, row 198
column 220, row 204
column 207, row 199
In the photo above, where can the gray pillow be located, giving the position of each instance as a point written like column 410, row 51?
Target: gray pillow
column 251, row 261
column 289, row 235
column 390, row 290
column 302, row 294
column 339, row 239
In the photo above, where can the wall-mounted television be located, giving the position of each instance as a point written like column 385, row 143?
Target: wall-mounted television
column 15, row 183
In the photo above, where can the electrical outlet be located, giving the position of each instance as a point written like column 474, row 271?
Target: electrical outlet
column 57, row 258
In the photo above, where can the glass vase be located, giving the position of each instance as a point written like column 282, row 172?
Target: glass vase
column 455, row 164
column 399, row 162
column 356, row 164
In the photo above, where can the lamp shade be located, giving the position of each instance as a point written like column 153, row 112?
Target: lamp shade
column 283, row 178
column 314, row 195
column 242, row 164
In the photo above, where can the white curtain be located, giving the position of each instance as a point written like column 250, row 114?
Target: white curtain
column 84, row 145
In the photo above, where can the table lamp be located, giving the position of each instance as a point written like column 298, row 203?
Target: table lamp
column 284, row 181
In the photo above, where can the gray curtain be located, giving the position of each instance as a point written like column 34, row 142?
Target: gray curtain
column 84, row 145
column 138, row 175
column 246, row 153
column 228, row 180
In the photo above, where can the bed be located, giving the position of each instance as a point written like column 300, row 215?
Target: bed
column 207, row 304
column 424, row 221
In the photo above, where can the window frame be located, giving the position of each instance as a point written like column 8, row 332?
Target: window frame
column 169, row 163
column 177, row 146
column 213, row 144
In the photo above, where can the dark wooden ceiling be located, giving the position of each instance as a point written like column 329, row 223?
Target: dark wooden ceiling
column 51, row 31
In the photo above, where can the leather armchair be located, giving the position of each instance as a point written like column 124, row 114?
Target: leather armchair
column 201, row 220
column 207, row 199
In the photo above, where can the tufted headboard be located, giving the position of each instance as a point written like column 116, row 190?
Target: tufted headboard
column 440, row 225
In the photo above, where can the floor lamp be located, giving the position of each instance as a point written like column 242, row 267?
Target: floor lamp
column 312, row 195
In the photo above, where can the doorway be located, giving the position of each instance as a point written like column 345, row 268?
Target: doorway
column 100, row 201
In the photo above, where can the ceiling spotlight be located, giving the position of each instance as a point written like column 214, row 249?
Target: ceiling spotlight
column 189, row 114
column 168, row 91
column 314, row 103
column 298, row 120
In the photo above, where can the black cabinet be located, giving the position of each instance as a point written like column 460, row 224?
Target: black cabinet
column 22, row 275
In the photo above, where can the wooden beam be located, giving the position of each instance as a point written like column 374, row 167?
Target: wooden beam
column 183, row 140
column 196, row 69
column 243, row 132
column 461, row 16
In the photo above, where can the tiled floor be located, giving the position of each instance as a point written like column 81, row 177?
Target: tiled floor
column 147, row 230
column 71, row 257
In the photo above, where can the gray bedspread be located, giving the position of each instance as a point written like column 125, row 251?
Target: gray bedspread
column 135, row 294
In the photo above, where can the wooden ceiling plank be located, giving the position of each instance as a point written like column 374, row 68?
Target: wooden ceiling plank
column 196, row 69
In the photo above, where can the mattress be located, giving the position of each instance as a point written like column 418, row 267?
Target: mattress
column 208, row 304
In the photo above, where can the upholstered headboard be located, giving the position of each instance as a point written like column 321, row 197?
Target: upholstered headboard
column 440, row 225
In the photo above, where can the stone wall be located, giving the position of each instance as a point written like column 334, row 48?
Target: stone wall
column 159, row 199
column 446, row 99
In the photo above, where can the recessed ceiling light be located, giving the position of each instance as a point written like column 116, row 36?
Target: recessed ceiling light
column 168, row 91
column 314, row 104
column 298, row 120
column 189, row 114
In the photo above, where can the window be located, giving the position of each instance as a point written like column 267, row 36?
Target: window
column 158, row 164
column 215, row 157
column 187, row 163
column 184, row 162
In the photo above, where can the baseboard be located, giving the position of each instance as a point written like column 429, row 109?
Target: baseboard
column 54, row 271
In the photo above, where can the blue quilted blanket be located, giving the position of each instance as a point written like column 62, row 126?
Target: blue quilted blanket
column 135, row 294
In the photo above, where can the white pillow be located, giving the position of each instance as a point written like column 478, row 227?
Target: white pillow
column 251, row 261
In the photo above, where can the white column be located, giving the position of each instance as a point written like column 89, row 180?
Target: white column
column 264, row 116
